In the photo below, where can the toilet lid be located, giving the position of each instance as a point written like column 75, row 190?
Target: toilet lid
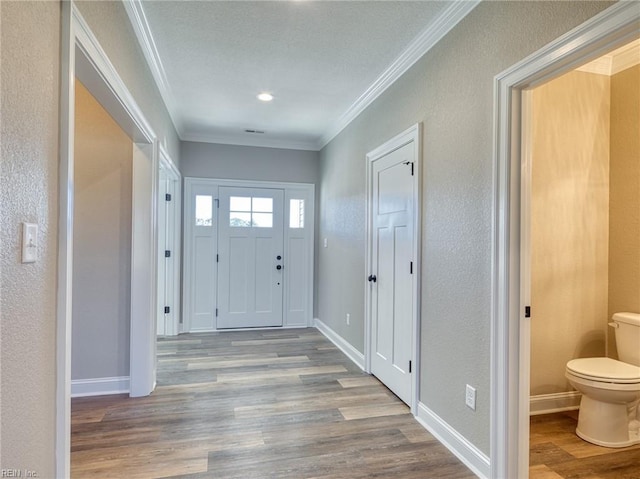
column 604, row 369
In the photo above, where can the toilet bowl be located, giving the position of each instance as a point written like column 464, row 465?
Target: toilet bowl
column 609, row 414
column 610, row 395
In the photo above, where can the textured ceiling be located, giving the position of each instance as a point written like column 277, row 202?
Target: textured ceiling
column 316, row 57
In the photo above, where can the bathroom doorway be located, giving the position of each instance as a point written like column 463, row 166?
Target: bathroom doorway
column 580, row 242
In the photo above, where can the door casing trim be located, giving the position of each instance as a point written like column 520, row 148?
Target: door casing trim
column 510, row 335
column 413, row 135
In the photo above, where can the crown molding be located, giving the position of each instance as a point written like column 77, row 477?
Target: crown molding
column 143, row 33
column 420, row 45
column 626, row 57
column 251, row 140
column 618, row 60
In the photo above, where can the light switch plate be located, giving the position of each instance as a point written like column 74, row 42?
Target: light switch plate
column 29, row 242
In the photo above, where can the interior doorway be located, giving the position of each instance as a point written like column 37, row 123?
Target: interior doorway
column 169, row 246
column 511, row 334
column 82, row 57
column 582, row 165
column 392, row 300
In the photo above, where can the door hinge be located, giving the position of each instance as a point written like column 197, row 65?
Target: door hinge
column 167, row 253
column 167, row 197
column 409, row 366
column 409, row 163
column 217, row 258
column 167, row 310
column 527, row 311
column 216, row 312
column 411, row 267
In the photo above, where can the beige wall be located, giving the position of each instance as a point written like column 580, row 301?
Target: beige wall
column 450, row 90
column 569, row 225
column 624, row 227
column 30, row 33
column 101, row 243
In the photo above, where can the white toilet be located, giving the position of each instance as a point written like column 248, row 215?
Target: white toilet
column 609, row 414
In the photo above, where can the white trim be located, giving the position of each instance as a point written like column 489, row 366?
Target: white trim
column 509, row 412
column 413, row 135
column 342, row 344
column 470, row 455
column 119, row 93
column 420, row 45
column 250, row 139
column 99, row 386
column 550, row 403
column 65, row 244
column 143, row 33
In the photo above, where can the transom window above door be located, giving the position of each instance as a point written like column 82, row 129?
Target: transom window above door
column 249, row 211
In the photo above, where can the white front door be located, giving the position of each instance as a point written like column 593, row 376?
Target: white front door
column 250, row 257
column 392, row 288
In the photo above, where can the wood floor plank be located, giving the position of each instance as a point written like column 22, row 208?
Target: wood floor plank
column 557, row 452
column 373, row 410
column 280, row 404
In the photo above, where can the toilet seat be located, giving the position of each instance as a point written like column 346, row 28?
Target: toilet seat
column 605, row 370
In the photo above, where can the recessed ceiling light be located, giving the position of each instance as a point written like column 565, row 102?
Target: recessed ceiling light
column 264, row 96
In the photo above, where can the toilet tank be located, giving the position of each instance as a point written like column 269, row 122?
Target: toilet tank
column 627, row 330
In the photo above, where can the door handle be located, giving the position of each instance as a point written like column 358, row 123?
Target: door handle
column 372, row 277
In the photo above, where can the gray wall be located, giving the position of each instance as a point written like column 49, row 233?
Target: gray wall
column 214, row 160
column 30, row 33
column 29, row 86
column 450, row 90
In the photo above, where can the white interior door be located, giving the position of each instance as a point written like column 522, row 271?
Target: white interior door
column 250, row 257
column 392, row 289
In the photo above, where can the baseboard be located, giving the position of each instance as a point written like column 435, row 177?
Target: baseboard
column 469, row 454
column 342, row 344
column 550, row 403
column 99, row 386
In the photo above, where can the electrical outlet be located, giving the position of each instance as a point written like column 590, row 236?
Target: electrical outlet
column 326, row 242
column 348, row 319
column 470, row 397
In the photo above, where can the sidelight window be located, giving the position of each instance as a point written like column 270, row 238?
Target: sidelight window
column 204, row 210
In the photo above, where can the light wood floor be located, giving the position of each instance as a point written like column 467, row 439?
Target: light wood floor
column 557, row 453
column 257, row 404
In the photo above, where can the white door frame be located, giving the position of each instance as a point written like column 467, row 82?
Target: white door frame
column 174, row 225
column 191, row 183
column 411, row 135
column 510, row 331
column 82, row 56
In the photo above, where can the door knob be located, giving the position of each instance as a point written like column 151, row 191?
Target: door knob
column 372, row 277
column 279, row 267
